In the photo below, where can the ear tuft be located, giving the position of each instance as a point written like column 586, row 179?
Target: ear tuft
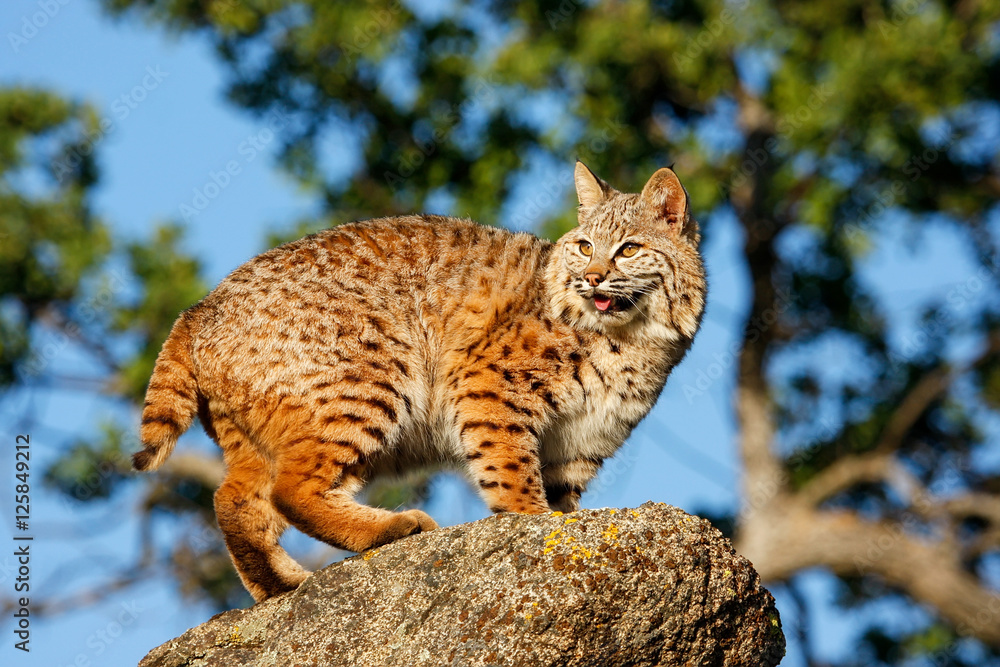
column 589, row 188
column 666, row 200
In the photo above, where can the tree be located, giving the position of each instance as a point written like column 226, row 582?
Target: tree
column 66, row 284
column 52, row 244
column 822, row 128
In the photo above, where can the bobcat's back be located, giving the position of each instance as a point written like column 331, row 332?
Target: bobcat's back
column 380, row 308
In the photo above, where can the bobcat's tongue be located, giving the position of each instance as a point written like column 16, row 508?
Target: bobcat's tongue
column 602, row 302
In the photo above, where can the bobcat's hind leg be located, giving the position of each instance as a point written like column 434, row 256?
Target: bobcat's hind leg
column 249, row 522
column 315, row 487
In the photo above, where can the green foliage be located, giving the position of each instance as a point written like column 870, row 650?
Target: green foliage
column 50, row 243
column 89, row 470
column 62, row 286
column 408, row 491
column 169, row 282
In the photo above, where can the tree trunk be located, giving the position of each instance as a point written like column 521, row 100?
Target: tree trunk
column 646, row 586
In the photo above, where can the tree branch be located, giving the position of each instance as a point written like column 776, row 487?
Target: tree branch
column 58, row 320
column 763, row 473
column 80, row 599
column 880, row 464
column 982, row 505
column 929, row 389
column 799, row 537
column 843, row 474
column 208, row 471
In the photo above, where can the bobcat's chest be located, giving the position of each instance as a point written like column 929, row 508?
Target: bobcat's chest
column 618, row 388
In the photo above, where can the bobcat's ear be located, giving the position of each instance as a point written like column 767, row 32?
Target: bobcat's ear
column 666, row 202
column 589, row 188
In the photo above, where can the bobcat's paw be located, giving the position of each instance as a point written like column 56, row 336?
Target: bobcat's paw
column 405, row 523
column 422, row 520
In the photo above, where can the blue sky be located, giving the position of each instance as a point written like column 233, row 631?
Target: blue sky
column 178, row 131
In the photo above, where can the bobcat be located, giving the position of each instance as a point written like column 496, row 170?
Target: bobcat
column 378, row 346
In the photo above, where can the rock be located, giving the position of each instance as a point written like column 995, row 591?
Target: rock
column 645, row 586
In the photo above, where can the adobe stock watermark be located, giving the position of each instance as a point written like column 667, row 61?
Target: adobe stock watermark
column 899, row 12
column 711, row 31
column 924, row 503
column 932, row 328
column 411, row 160
column 755, row 158
column 554, row 189
column 246, row 152
column 95, row 481
column 105, row 636
column 610, row 474
column 367, row 33
column 765, row 490
column 121, row 108
column 55, row 342
column 32, row 24
column 986, row 617
column 562, row 13
column 914, row 167
column 724, row 361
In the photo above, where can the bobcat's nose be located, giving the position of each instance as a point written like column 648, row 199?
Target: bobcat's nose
column 594, row 278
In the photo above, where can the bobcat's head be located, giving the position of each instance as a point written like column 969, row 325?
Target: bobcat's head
column 632, row 265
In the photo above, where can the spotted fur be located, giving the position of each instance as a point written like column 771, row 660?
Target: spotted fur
column 383, row 345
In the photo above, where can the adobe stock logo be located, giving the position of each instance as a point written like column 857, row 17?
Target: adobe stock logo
column 121, row 108
column 217, row 181
column 30, row 25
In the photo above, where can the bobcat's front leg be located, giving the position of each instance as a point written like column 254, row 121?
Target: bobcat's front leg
column 501, row 448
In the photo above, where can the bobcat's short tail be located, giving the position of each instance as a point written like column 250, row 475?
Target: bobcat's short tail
column 171, row 398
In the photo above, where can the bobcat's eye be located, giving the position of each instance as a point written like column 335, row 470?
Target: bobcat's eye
column 629, row 249
column 586, row 248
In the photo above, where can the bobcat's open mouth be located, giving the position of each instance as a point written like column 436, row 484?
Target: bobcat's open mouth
column 607, row 304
